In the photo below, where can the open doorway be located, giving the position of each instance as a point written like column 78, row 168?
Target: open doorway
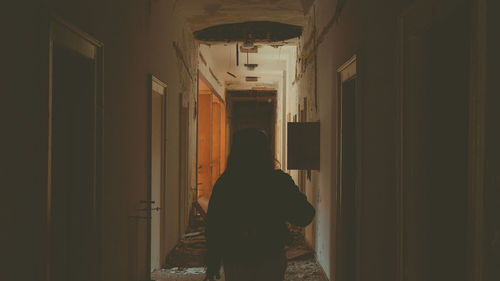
column 253, row 109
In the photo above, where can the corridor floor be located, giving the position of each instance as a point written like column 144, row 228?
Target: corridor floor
column 185, row 262
column 298, row 270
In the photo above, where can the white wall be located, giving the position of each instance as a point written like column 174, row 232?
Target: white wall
column 291, row 94
column 204, row 69
column 321, row 188
column 369, row 30
column 181, row 85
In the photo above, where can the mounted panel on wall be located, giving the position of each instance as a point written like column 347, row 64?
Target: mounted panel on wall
column 303, row 145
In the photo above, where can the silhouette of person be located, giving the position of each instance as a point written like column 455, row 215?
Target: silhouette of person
column 247, row 213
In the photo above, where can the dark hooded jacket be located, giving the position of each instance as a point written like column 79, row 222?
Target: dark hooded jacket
column 247, row 215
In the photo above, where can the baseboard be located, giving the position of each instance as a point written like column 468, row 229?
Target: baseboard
column 325, row 277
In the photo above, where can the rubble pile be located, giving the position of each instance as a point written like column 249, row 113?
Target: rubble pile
column 186, row 261
column 297, row 249
column 303, row 270
column 191, row 250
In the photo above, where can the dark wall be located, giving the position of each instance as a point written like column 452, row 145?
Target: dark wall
column 372, row 31
column 369, row 30
column 138, row 40
column 24, row 151
column 491, row 236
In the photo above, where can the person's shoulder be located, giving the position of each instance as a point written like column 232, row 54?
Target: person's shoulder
column 223, row 178
column 281, row 175
column 279, row 172
column 221, row 181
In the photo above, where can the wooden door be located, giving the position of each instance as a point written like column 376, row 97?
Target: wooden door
column 211, row 142
column 184, row 166
column 158, row 169
column 216, row 139
column 347, row 223
column 204, row 144
column 223, row 136
column 74, row 162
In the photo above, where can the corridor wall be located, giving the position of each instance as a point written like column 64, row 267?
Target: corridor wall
column 336, row 31
column 140, row 38
column 491, row 227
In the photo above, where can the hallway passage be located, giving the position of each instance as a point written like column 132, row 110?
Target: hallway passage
column 119, row 117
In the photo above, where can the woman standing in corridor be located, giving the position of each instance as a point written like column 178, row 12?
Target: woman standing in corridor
column 247, row 214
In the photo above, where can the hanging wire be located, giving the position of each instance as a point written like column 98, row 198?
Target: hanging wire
column 229, row 59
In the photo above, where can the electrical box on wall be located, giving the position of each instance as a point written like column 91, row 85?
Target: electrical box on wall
column 303, row 146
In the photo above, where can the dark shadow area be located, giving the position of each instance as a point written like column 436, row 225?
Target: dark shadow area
column 256, row 31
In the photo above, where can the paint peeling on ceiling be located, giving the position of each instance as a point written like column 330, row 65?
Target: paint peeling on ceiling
column 201, row 14
column 261, row 31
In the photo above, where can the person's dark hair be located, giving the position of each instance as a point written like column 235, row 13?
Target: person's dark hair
column 250, row 152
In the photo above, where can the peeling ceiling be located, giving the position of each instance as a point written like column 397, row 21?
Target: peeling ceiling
column 201, row 14
column 271, row 64
column 261, row 31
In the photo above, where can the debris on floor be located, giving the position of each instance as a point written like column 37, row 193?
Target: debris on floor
column 298, row 248
column 297, row 270
column 293, row 254
column 186, row 261
column 194, row 234
column 191, row 250
column 304, row 270
column 179, row 274
column 184, row 271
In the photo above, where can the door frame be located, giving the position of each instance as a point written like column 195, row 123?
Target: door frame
column 429, row 12
column 154, row 82
column 60, row 32
column 348, row 71
column 242, row 95
column 184, row 168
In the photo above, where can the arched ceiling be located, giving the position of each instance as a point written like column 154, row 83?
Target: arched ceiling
column 201, row 14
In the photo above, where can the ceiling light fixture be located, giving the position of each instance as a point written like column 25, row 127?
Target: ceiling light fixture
column 251, row 78
column 247, row 45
